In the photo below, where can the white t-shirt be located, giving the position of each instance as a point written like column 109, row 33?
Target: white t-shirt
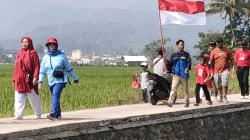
column 159, row 67
column 144, row 80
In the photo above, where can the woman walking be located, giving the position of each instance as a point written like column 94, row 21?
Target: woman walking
column 242, row 61
column 25, row 76
column 55, row 65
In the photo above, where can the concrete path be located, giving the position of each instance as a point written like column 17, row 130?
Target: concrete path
column 9, row 125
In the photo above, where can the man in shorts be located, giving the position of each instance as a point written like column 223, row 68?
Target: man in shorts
column 220, row 59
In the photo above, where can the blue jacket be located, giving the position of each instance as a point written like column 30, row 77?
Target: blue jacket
column 179, row 62
column 56, row 61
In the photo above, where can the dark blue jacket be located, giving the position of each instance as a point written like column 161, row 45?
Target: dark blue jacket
column 179, row 62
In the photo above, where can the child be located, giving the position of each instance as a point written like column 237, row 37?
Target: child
column 202, row 75
column 144, row 81
column 209, row 81
column 135, row 82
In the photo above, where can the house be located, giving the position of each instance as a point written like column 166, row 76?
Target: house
column 133, row 60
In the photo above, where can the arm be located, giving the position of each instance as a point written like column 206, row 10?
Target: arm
column 69, row 69
column 43, row 71
column 36, row 65
column 189, row 63
column 208, row 74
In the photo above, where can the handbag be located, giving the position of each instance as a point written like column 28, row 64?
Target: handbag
column 57, row 73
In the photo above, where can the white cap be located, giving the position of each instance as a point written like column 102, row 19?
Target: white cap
column 145, row 64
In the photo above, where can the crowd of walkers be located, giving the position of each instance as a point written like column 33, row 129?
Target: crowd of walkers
column 212, row 71
column 28, row 77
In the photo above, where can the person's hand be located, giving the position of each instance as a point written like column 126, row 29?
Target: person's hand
column 186, row 70
column 35, row 81
column 205, row 81
column 40, row 86
column 76, row 82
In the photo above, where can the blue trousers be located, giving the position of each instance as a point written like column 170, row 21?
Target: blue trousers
column 56, row 91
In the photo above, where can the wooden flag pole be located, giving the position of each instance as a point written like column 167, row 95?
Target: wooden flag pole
column 162, row 38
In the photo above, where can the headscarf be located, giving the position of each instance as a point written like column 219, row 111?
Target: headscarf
column 30, row 46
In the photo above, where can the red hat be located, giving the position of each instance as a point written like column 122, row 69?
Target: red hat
column 51, row 40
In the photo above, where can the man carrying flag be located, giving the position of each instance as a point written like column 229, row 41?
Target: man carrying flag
column 182, row 12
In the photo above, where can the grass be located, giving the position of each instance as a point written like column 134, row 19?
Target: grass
column 98, row 87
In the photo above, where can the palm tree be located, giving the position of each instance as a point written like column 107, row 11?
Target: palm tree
column 231, row 9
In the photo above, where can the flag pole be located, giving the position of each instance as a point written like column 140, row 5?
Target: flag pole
column 162, row 38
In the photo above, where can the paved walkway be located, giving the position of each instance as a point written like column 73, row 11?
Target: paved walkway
column 9, row 125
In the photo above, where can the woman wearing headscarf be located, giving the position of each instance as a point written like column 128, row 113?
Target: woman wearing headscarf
column 25, row 77
column 56, row 66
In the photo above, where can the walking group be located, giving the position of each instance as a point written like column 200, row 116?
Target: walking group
column 29, row 74
column 212, row 71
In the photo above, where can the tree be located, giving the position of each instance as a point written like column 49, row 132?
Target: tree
column 232, row 9
column 150, row 49
column 206, row 38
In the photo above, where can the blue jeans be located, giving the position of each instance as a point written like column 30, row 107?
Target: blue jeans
column 56, row 91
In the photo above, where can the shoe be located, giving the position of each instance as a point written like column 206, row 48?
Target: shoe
column 167, row 103
column 186, row 105
column 196, row 104
column 38, row 117
column 242, row 97
column 246, row 97
column 225, row 100
column 53, row 118
column 221, row 99
column 17, row 118
column 210, row 103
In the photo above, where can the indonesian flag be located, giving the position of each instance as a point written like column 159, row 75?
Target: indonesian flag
column 184, row 12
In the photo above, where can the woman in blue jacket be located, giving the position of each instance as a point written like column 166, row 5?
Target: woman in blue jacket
column 55, row 65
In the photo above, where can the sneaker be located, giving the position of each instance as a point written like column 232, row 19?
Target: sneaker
column 210, row 103
column 167, row 103
column 17, row 118
column 38, row 117
column 225, row 100
column 246, row 97
column 53, row 118
column 221, row 99
column 186, row 105
column 196, row 104
column 242, row 97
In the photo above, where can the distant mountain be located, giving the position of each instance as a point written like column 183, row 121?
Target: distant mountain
column 99, row 27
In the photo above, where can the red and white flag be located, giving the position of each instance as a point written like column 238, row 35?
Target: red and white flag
column 184, row 12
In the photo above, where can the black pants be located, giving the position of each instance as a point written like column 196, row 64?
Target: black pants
column 145, row 95
column 197, row 92
column 242, row 75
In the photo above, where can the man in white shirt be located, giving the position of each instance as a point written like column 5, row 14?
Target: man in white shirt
column 159, row 64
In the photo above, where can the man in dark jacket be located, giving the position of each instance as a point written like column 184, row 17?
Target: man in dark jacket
column 181, row 64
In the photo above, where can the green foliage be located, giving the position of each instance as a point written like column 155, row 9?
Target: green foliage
column 233, row 10
column 203, row 44
column 150, row 49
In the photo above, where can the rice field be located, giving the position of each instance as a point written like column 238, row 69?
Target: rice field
column 98, row 87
